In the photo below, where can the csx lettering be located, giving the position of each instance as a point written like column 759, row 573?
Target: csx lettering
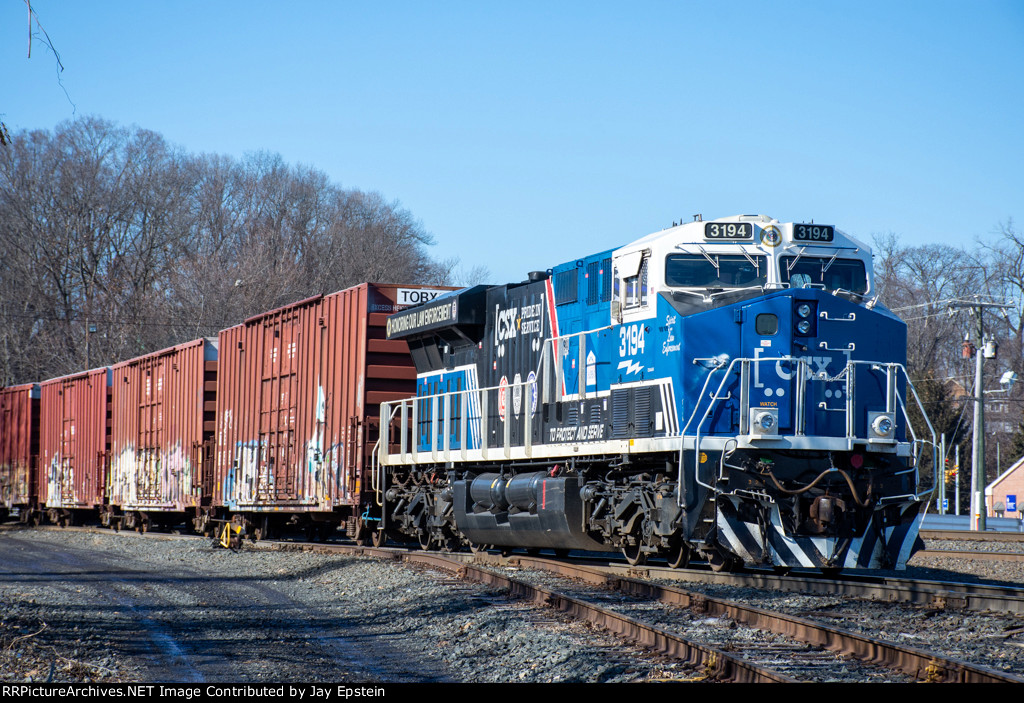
column 815, row 365
column 505, row 325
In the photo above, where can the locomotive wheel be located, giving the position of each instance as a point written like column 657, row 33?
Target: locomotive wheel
column 478, row 548
column 679, row 555
column 634, row 554
column 720, row 562
column 378, row 538
column 424, row 539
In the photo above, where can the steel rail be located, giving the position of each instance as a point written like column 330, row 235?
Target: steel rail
column 974, row 597
column 715, row 664
column 982, row 556
column 972, row 536
column 921, row 664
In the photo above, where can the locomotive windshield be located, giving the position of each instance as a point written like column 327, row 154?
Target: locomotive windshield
column 834, row 274
column 715, row 271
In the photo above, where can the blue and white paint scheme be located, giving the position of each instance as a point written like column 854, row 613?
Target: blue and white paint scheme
column 730, row 388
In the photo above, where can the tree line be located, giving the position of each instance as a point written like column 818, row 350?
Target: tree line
column 931, row 287
column 114, row 243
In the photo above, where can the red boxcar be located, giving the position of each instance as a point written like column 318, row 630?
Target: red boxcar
column 163, row 407
column 74, row 443
column 298, row 401
column 19, row 449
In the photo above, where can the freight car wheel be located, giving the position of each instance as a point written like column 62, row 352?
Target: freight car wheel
column 378, row 538
column 362, row 533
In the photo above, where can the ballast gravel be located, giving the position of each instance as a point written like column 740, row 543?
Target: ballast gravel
column 119, row 607
column 98, row 606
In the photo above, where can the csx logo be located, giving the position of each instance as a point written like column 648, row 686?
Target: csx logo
column 505, row 327
column 814, row 365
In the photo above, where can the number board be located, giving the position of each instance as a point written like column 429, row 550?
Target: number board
column 728, row 230
column 813, row 233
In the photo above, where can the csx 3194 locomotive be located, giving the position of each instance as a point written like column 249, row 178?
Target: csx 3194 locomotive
column 729, row 389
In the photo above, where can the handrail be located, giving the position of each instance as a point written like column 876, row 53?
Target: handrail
column 442, row 451
column 440, row 445
column 893, row 403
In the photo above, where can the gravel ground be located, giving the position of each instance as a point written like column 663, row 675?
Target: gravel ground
column 1009, row 573
column 106, row 607
column 785, row 655
column 1015, row 546
column 992, row 640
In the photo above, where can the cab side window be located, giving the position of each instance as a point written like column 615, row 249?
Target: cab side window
column 636, row 287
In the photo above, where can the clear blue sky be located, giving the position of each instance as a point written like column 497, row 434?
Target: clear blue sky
column 524, row 134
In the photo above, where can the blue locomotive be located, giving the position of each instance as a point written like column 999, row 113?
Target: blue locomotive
column 728, row 390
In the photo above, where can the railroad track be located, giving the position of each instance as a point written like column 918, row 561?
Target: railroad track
column 957, row 595
column 810, row 652
column 811, row 646
column 970, row 536
column 962, row 554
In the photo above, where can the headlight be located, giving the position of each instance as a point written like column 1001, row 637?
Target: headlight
column 803, row 310
column 765, row 421
column 882, row 426
column 804, row 326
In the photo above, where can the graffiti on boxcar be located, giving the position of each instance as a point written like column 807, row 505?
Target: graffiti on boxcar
column 60, row 483
column 314, row 484
column 14, row 483
column 150, row 477
column 240, row 485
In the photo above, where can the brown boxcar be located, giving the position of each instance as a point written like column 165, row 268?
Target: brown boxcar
column 298, row 401
column 74, row 443
column 163, row 407
column 19, row 450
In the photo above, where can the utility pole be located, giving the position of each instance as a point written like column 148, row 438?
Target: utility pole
column 978, row 446
column 978, row 510
column 942, row 484
column 956, row 482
